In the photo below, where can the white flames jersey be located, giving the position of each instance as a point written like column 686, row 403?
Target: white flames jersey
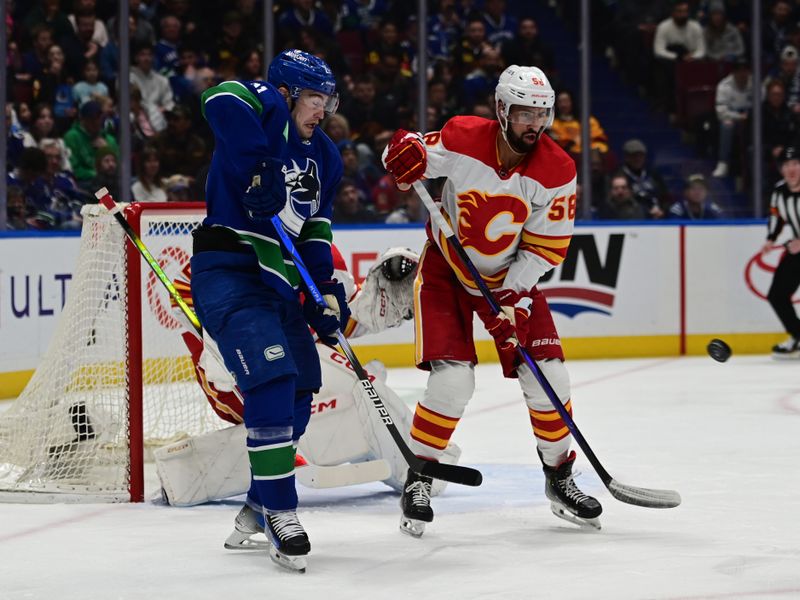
column 516, row 225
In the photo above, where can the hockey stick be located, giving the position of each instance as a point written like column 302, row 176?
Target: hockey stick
column 625, row 493
column 312, row 475
column 429, row 468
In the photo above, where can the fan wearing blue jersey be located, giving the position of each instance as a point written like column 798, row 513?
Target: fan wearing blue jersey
column 270, row 158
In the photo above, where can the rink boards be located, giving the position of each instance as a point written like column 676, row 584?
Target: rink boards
column 643, row 290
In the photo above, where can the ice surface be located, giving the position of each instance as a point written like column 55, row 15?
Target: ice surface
column 726, row 436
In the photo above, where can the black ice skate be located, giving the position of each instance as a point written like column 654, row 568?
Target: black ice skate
column 247, row 524
column 289, row 541
column 566, row 500
column 789, row 348
column 416, row 504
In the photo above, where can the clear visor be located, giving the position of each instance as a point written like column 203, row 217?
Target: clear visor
column 317, row 100
column 528, row 116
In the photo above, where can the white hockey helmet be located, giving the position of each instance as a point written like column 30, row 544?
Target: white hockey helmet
column 526, row 86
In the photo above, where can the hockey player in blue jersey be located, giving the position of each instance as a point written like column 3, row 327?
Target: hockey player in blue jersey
column 245, row 287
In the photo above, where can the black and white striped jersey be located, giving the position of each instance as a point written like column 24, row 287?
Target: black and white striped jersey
column 784, row 208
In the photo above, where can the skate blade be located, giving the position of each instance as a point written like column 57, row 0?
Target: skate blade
column 563, row 513
column 243, row 541
column 413, row 527
column 787, row 356
column 295, row 564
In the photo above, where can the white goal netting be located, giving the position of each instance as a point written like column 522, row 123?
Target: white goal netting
column 68, row 437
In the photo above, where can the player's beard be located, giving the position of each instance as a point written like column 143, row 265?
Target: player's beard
column 518, row 143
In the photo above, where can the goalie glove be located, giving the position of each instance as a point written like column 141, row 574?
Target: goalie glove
column 386, row 297
column 406, row 158
column 216, row 372
column 509, row 326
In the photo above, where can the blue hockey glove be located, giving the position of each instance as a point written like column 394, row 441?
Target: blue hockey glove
column 326, row 321
column 266, row 196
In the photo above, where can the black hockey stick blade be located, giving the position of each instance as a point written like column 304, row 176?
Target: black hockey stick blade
column 646, row 497
column 446, row 472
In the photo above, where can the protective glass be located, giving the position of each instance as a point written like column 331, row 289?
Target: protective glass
column 317, row 100
column 529, row 116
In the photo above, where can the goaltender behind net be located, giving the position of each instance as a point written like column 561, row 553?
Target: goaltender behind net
column 345, row 442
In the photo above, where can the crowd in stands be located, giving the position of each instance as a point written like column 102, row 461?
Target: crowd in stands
column 63, row 79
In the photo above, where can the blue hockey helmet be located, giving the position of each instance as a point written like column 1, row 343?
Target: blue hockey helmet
column 298, row 71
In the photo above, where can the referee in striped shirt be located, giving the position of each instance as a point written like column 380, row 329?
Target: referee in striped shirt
column 785, row 209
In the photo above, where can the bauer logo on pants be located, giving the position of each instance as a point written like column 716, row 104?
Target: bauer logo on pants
column 274, row 353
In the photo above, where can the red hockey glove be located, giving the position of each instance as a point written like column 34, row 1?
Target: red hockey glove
column 508, row 326
column 406, row 158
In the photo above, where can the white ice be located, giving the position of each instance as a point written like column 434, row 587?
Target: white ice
column 726, row 436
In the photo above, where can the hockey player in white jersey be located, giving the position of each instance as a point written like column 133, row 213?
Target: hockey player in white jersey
column 510, row 196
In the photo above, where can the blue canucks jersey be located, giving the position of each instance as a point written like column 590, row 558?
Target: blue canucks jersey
column 251, row 122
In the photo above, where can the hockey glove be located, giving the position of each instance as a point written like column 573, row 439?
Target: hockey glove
column 406, row 158
column 325, row 321
column 508, row 327
column 267, row 194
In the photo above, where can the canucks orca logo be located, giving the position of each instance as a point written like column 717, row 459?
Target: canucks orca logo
column 303, row 188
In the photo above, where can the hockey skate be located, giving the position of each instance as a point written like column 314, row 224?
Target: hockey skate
column 416, row 504
column 566, row 500
column 247, row 524
column 790, row 348
column 289, row 541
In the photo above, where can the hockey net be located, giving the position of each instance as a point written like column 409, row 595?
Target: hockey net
column 116, row 380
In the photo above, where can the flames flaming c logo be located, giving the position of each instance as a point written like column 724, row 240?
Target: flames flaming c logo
column 484, row 220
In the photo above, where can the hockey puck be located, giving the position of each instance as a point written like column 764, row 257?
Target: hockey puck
column 718, row 350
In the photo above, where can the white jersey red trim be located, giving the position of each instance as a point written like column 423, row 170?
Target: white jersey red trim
column 515, row 225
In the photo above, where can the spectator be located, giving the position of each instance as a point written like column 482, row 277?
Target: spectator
column 43, row 128
column 620, row 205
column 303, row 14
column 180, row 149
column 48, row 12
column 84, row 139
column 780, row 127
column 349, row 208
column 776, row 30
column 55, row 89
column 351, row 170
column 500, row 25
column 337, row 127
column 525, row 48
column 411, row 210
column 723, row 41
column 106, row 174
column 109, row 55
column 147, row 187
column 20, row 113
column 485, row 111
column 695, row 204
column 90, row 87
column 566, row 129
column 229, row 47
column 648, row 186
column 366, row 113
column 677, row 38
column 480, row 82
column 143, row 130
column 251, row 67
column 156, row 92
column 17, row 210
column 66, row 199
column 788, row 73
column 177, row 188
column 363, row 14
column 15, row 143
column 141, row 30
column 35, row 61
column 30, row 177
column 444, row 30
column 87, row 8
column 388, row 42
column 441, row 102
column 80, row 46
column 472, row 43
column 166, row 50
column 734, row 101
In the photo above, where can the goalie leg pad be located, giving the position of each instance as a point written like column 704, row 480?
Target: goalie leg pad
column 552, row 434
column 204, row 468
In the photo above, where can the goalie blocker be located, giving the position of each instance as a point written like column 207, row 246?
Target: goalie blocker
column 345, row 442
